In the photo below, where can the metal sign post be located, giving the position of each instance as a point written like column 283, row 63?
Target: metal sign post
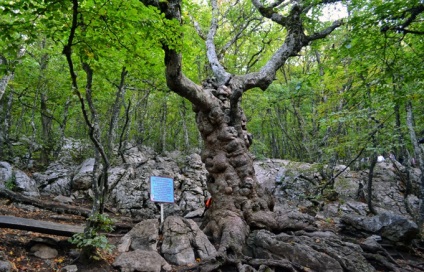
column 161, row 190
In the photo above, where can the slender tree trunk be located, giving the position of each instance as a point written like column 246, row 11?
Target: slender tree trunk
column 163, row 120
column 402, row 156
column 124, row 131
column 5, row 124
column 418, row 154
column 373, row 162
column 100, row 183
column 4, row 81
column 45, row 115
column 62, row 128
column 182, row 112
column 119, row 97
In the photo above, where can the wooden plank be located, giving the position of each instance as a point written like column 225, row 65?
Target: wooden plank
column 13, row 222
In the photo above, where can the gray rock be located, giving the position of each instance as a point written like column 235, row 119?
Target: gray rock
column 43, row 251
column 25, row 184
column 196, row 213
column 69, row 268
column 294, row 220
column 55, row 180
column 5, row 265
column 183, row 241
column 63, row 199
column 142, row 261
column 82, row 179
column 391, row 226
column 143, row 236
column 5, row 173
column 318, row 253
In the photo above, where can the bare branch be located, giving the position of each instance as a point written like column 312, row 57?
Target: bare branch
column 198, row 29
column 324, row 33
column 270, row 13
column 175, row 78
column 221, row 75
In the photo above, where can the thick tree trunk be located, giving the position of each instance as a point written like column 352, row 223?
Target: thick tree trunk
column 232, row 180
column 238, row 201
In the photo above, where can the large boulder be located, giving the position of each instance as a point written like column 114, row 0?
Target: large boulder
column 183, row 241
column 393, row 227
column 18, row 180
column 25, row 184
column 56, row 180
column 83, row 177
column 143, row 236
column 317, row 251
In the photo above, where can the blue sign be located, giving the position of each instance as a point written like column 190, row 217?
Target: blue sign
column 161, row 189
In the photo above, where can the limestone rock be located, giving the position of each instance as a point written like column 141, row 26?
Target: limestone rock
column 318, row 253
column 55, row 180
column 69, row 268
column 183, row 241
column 5, row 173
column 43, row 251
column 25, row 184
column 142, row 261
column 143, row 236
column 391, row 226
column 82, row 179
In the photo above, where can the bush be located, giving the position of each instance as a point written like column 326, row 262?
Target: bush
column 92, row 244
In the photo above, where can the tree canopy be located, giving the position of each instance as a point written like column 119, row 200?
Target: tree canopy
column 318, row 103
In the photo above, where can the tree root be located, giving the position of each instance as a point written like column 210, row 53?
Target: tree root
column 245, row 263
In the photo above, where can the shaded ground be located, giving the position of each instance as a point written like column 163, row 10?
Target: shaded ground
column 16, row 244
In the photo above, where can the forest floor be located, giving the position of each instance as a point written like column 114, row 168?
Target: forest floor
column 16, row 244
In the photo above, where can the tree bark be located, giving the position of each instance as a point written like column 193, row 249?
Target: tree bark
column 45, row 115
column 373, row 162
column 119, row 98
column 418, row 153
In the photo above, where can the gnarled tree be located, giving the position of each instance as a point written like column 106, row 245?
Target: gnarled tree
column 238, row 201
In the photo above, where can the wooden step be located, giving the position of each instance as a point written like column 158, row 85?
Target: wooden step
column 45, row 227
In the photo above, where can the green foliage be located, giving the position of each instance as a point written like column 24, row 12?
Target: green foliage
column 11, row 182
column 323, row 105
column 91, row 243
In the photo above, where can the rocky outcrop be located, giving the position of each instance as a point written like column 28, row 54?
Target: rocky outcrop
column 141, row 260
column 309, row 227
column 183, row 241
column 143, row 236
column 56, row 180
column 315, row 251
column 393, row 227
column 5, row 173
